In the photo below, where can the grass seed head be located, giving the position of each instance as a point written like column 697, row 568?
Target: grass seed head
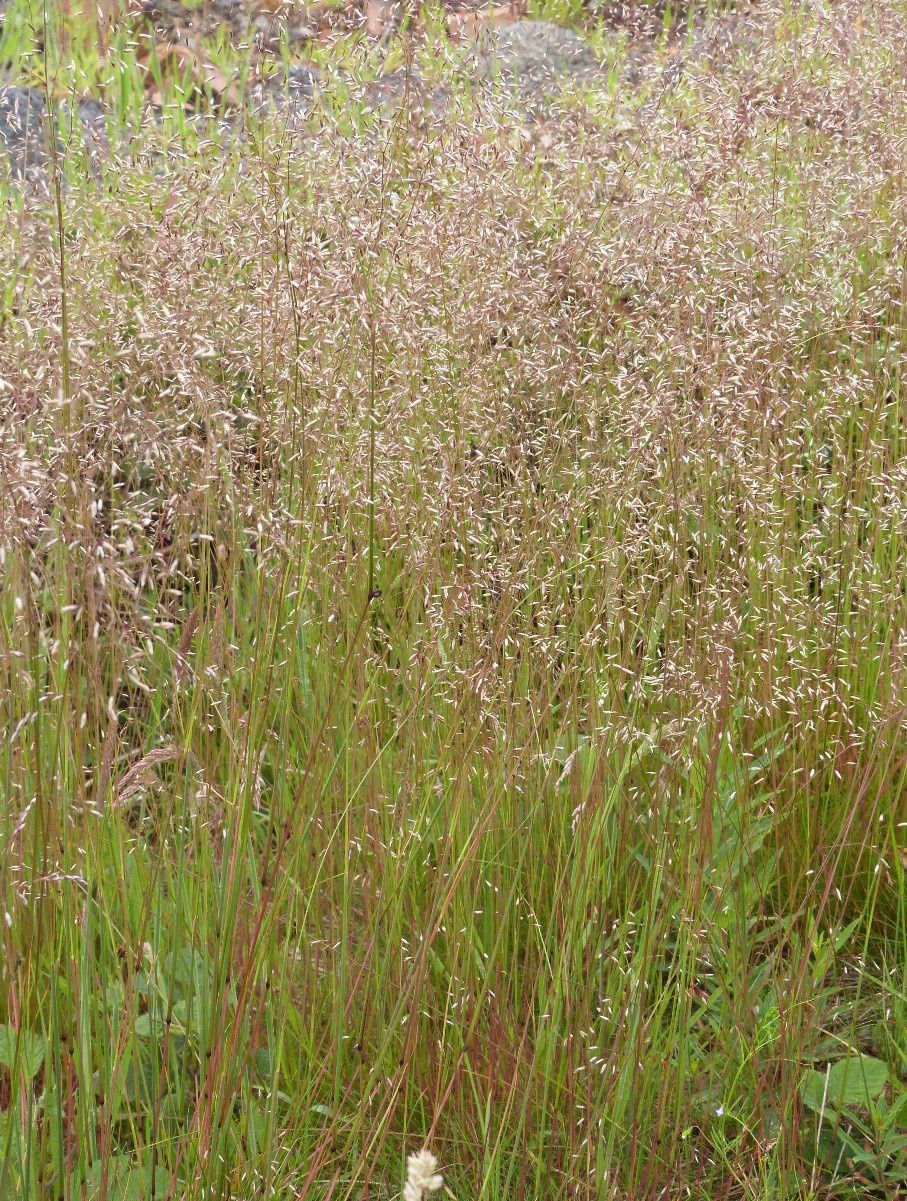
column 421, row 1176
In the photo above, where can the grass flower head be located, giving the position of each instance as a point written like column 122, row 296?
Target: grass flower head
column 421, row 1177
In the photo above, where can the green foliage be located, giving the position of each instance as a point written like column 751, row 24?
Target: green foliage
column 21, row 1051
column 857, row 1080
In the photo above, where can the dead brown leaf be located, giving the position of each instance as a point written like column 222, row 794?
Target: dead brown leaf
column 176, row 61
column 107, row 15
column 296, row 10
column 472, row 23
column 376, row 14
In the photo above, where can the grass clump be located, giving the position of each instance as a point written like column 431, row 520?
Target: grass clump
column 452, row 635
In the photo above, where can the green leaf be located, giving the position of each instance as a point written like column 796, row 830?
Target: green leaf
column 143, row 1025
column 831, row 1151
column 30, row 1048
column 187, row 974
column 263, row 1063
column 843, row 938
column 126, row 1180
column 854, row 1081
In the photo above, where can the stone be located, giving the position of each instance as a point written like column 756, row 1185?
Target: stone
column 22, row 131
column 535, row 57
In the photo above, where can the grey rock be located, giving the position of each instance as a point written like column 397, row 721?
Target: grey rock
column 22, row 131
column 23, row 134
column 535, row 57
column 93, row 120
column 527, row 60
column 289, row 93
column 389, row 91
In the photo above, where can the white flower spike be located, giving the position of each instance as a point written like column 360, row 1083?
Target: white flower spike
column 421, row 1177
